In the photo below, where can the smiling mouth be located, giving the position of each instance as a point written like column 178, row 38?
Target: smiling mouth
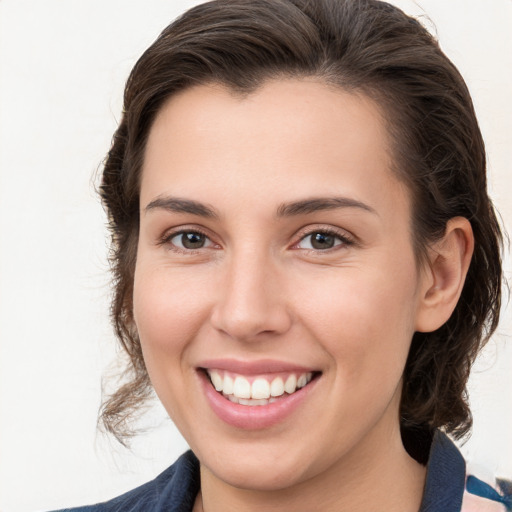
column 258, row 390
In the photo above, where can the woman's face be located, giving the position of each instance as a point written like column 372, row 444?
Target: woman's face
column 275, row 246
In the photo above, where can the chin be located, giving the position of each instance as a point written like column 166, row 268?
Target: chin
column 269, row 464
column 256, row 473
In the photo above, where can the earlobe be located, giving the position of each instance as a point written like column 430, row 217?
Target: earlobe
column 444, row 275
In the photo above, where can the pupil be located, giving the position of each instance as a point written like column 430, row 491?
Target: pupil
column 322, row 241
column 192, row 240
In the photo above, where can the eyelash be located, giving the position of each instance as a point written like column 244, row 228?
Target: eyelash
column 166, row 240
column 343, row 237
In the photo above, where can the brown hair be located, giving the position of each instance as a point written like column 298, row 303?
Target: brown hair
column 358, row 45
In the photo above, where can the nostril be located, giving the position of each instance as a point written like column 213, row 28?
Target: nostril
column 242, row 325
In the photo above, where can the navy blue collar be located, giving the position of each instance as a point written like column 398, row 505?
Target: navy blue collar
column 446, row 476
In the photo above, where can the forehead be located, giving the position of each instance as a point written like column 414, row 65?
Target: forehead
column 303, row 134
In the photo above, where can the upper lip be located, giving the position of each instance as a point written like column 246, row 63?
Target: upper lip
column 254, row 367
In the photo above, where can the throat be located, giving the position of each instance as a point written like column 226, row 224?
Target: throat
column 393, row 484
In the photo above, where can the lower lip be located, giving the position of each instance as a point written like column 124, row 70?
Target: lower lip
column 254, row 417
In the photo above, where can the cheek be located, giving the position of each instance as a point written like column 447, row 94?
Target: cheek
column 365, row 322
column 168, row 313
column 168, row 310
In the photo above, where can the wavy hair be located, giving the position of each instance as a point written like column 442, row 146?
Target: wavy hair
column 365, row 46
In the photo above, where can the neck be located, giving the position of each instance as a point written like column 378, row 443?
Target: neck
column 375, row 476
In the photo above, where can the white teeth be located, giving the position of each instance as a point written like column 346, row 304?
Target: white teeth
column 228, row 385
column 291, row 384
column 242, row 388
column 245, row 401
column 302, row 381
column 277, row 387
column 216, row 381
column 260, row 389
column 261, row 392
column 248, row 401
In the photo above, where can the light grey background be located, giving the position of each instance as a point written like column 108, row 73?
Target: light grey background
column 62, row 68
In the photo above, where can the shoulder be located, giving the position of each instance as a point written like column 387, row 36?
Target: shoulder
column 175, row 489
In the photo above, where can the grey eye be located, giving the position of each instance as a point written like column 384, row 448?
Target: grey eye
column 319, row 240
column 190, row 240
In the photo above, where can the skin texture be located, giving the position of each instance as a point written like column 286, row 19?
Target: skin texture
column 257, row 289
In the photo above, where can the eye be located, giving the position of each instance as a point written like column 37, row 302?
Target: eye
column 322, row 240
column 189, row 240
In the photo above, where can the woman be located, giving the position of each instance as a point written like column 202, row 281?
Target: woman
column 306, row 260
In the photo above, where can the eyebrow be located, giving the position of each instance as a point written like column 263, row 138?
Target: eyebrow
column 322, row 203
column 179, row 205
column 294, row 208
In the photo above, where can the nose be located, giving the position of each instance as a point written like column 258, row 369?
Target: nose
column 252, row 300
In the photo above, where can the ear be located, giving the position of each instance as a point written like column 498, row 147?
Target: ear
column 444, row 274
